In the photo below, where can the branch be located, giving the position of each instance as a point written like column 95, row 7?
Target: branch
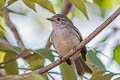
column 5, row 43
column 23, row 55
column 66, row 7
column 13, row 28
column 77, row 48
column 82, row 44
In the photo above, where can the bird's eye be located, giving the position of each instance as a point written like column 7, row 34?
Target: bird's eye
column 58, row 19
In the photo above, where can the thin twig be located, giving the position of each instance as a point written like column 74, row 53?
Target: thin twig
column 66, row 7
column 13, row 28
column 51, row 76
column 23, row 55
column 5, row 43
column 77, row 48
column 48, row 43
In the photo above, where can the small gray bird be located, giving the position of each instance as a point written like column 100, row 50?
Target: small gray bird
column 64, row 37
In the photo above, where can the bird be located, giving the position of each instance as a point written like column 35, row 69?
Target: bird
column 66, row 36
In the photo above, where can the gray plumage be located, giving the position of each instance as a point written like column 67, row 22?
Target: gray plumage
column 64, row 37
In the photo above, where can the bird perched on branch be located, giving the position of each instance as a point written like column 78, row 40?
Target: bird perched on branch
column 64, row 37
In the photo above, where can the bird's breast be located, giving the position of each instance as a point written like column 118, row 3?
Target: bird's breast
column 64, row 40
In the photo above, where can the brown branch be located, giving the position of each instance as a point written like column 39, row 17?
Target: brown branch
column 13, row 28
column 48, row 43
column 66, row 7
column 77, row 48
column 5, row 43
column 23, row 55
column 82, row 44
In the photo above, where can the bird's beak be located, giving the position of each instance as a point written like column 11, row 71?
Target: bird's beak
column 50, row 19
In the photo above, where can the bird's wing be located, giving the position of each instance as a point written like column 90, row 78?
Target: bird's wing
column 83, row 50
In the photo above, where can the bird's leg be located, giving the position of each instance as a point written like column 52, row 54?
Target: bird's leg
column 67, row 61
column 60, row 57
column 74, row 48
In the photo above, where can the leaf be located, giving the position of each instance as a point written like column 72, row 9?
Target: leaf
column 2, row 31
column 92, row 55
column 11, row 68
column 67, row 72
column 76, row 12
column 10, row 78
column 106, row 38
column 46, row 53
column 16, row 50
column 69, row 15
column 116, row 53
column 2, row 55
column 81, row 6
column 34, row 76
column 108, row 76
column 20, row 13
column 35, row 61
column 104, row 5
column 11, row 2
column 117, row 78
column 46, row 4
column 30, row 4
column 116, row 2
column 97, row 75
column 1, row 3
column 2, row 35
column 59, row 3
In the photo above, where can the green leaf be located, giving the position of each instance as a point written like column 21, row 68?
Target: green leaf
column 46, row 4
column 92, row 56
column 34, row 76
column 81, row 6
column 10, row 78
column 116, row 2
column 59, row 3
column 76, row 12
column 106, row 38
column 68, row 72
column 1, row 3
column 108, row 76
column 2, row 55
column 2, row 35
column 45, row 53
column 20, row 13
column 11, row 68
column 30, row 4
column 11, row 2
column 105, row 5
column 2, row 30
column 117, row 78
column 97, row 76
column 35, row 61
column 116, row 55
column 16, row 50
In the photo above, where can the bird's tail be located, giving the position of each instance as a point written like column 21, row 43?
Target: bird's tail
column 81, row 66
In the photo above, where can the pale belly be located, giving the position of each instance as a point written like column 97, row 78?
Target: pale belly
column 65, row 41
